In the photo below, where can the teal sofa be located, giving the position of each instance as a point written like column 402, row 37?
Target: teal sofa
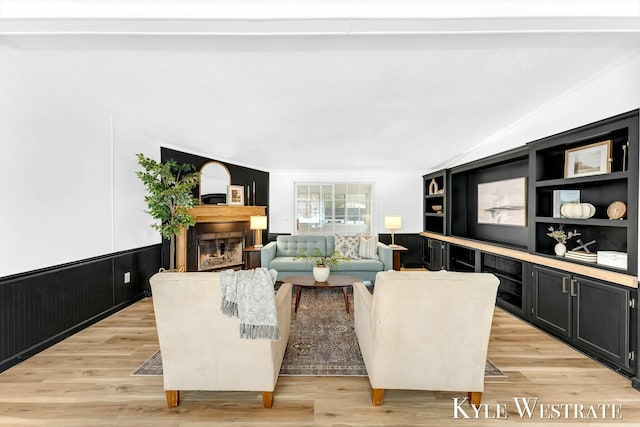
column 280, row 255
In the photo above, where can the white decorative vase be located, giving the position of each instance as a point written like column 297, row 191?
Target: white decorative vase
column 560, row 249
column 321, row 274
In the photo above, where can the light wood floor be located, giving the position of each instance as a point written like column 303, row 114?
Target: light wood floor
column 86, row 381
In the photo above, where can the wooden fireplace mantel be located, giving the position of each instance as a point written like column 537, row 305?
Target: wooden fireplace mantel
column 213, row 213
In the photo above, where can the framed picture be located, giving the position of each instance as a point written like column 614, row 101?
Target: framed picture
column 503, row 202
column 235, row 195
column 592, row 159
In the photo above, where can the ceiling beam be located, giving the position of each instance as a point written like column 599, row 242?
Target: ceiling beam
column 273, row 17
column 316, row 26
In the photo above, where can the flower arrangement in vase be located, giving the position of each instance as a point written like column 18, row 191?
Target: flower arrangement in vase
column 561, row 237
column 322, row 263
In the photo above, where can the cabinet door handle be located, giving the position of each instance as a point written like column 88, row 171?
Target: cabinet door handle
column 573, row 288
column 564, row 285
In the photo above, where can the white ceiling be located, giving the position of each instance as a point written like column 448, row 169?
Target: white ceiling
column 376, row 98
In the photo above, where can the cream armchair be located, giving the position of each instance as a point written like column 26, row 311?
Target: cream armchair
column 425, row 331
column 201, row 347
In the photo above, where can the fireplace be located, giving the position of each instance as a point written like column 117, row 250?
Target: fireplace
column 216, row 246
column 220, row 234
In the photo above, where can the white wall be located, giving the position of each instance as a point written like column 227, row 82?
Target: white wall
column 615, row 90
column 396, row 192
column 68, row 189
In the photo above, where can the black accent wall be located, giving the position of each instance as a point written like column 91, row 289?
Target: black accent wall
column 42, row 307
column 240, row 175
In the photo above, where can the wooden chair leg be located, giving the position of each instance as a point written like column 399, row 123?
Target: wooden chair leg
column 267, row 399
column 173, row 398
column 475, row 397
column 377, row 394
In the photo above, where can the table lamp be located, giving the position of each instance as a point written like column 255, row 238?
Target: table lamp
column 258, row 223
column 393, row 223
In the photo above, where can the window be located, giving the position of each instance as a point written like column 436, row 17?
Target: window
column 329, row 208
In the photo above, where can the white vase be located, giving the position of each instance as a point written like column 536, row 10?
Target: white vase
column 321, row 274
column 560, row 249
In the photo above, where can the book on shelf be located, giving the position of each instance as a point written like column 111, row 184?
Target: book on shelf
column 562, row 197
column 582, row 256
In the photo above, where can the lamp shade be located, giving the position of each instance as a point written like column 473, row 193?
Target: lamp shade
column 393, row 222
column 258, row 222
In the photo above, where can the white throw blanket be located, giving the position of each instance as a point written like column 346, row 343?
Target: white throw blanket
column 249, row 295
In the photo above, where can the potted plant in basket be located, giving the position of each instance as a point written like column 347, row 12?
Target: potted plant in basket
column 170, row 196
column 322, row 263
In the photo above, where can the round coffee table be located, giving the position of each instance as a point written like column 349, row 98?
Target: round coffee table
column 334, row 281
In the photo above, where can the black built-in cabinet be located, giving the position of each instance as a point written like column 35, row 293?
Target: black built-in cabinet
column 512, row 274
column 461, row 259
column 434, row 255
column 592, row 315
column 578, row 302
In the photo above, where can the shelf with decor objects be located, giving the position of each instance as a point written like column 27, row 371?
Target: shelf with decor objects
column 435, row 202
column 586, row 180
column 435, row 207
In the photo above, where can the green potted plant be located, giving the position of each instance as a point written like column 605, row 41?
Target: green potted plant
column 322, row 263
column 169, row 197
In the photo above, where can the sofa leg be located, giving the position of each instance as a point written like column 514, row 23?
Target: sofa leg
column 173, row 398
column 475, row 397
column 377, row 394
column 267, row 399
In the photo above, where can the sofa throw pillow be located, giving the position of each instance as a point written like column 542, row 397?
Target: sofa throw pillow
column 368, row 247
column 348, row 245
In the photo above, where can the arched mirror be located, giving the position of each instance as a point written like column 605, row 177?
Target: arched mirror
column 214, row 179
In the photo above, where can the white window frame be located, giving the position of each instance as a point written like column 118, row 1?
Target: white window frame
column 319, row 220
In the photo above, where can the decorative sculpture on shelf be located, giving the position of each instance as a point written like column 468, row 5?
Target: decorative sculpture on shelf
column 583, row 246
column 433, row 187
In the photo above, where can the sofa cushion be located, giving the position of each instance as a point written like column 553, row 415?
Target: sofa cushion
column 291, row 246
column 359, row 265
column 368, row 247
column 287, row 263
column 348, row 245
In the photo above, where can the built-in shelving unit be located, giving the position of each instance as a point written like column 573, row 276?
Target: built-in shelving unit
column 510, row 273
column 462, row 259
column 435, row 196
column 589, row 305
column 618, row 181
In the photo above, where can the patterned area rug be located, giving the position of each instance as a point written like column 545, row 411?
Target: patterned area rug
column 322, row 340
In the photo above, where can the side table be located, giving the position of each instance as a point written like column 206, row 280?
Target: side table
column 396, row 255
column 251, row 256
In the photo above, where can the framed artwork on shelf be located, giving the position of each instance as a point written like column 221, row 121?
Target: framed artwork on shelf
column 592, row 159
column 235, row 195
column 503, row 202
